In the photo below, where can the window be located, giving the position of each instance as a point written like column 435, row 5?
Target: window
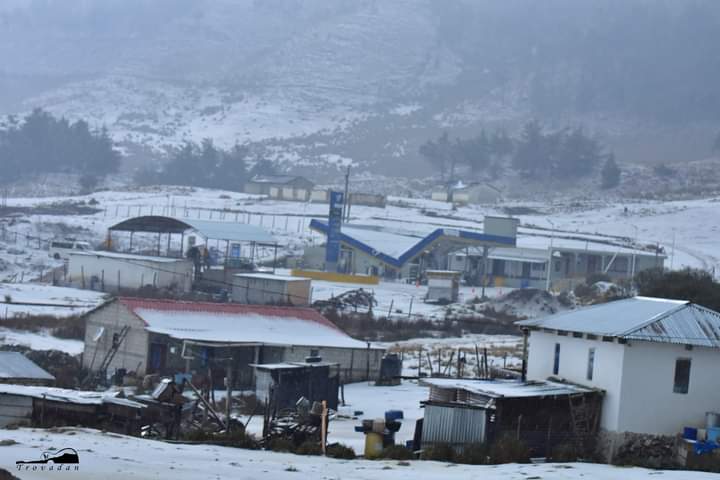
column 556, row 363
column 591, row 363
column 314, row 352
column 682, row 375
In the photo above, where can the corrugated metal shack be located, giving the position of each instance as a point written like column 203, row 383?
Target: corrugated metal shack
column 18, row 369
column 542, row 414
column 48, row 406
column 282, row 384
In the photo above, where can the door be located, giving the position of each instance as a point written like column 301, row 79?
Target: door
column 158, row 353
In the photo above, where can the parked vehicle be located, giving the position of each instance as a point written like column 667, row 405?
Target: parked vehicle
column 59, row 249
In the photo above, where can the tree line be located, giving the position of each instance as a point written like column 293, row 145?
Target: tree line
column 40, row 143
column 537, row 152
column 205, row 165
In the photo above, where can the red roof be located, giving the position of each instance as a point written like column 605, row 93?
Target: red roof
column 295, row 313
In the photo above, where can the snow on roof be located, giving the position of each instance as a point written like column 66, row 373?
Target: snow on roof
column 398, row 247
column 66, row 395
column 640, row 318
column 271, row 276
column 275, row 178
column 237, row 323
column 535, row 248
column 128, row 256
column 506, row 388
column 16, row 365
column 291, row 365
column 231, row 231
column 36, row 299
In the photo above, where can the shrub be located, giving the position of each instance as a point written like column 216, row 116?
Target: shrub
column 398, row 452
column 440, row 452
column 338, row 450
column 309, row 447
column 564, row 452
column 474, row 454
column 583, row 290
column 508, row 449
column 280, row 444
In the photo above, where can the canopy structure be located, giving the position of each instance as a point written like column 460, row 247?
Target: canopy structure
column 225, row 231
column 229, row 244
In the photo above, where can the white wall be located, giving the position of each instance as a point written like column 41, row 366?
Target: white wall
column 133, row 272
column 607, row 372
column 649, row 404
column 132, row 354
column 638, row 380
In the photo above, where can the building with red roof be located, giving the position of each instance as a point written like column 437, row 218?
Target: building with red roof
column 170, row 337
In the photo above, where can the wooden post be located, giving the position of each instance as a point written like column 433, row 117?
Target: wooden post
column 458, row 371
column 392, row 302
column 430, row 363
column 228, row 399
column 477, row 362
column 420, row 351
column 82, row 276
column 324, row 420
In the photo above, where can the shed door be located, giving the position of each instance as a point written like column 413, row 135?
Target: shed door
column 158, row 353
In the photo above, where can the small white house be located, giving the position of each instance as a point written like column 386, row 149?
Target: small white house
column 656, row 360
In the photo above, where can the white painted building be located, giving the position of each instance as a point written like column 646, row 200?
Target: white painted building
column 112, row 271
column 271, row 289
column 656, row 360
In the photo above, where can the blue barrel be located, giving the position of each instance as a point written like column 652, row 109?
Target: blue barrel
column 393, row 415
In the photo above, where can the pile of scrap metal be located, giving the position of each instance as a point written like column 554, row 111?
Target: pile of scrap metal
column 308, row 421
column 350, row 300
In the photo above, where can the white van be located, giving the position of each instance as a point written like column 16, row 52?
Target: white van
column 59, row 249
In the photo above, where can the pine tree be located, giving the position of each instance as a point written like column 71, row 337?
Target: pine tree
column 610, row 173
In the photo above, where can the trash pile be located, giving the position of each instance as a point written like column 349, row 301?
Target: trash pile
column 352, row 300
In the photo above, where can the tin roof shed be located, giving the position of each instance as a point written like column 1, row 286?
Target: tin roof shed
column 17, row 368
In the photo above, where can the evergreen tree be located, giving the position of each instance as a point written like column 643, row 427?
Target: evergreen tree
column 610, row 173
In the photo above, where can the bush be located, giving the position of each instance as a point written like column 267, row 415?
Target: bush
column 280, row 444
column 398, row 452
column 584, row 290
column 338, row 450
column 440, row 452
column 474, row 454
column 309, row 447
column 564, row 452
column 509, row 450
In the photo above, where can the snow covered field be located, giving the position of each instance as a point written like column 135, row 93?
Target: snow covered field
column 110, row 456
column 685, row 229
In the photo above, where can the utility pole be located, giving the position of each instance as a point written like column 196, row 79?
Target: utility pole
column 550, row 257
column 346, row 206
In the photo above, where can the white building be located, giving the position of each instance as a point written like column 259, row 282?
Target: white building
column 271, row 289
column 111, row 271
column 656, row 360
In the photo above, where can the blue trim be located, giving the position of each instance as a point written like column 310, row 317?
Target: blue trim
column 321, row 227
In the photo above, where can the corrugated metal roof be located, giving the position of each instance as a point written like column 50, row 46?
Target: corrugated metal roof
column 240, row 324
column 640, row 318
column 234, row 232
column 17, row 365
column 506, row 388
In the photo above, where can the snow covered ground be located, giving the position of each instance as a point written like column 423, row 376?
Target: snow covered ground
column 110, row 456
column 35, row 299
column 685, row 229
column 40, row 341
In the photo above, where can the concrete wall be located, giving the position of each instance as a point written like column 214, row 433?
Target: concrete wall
column 638, row 379
column 607, row 371
column 266, row 291
column 353, row 361
column 133, row 351
column 649, row 404
column 98, row 272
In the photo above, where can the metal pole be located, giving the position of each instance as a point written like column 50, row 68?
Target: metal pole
column 672, row 257
column 550, row 254
column 345, row 195
column 485, row 271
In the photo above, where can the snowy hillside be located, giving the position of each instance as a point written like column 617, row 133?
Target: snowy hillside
column 308, row 81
